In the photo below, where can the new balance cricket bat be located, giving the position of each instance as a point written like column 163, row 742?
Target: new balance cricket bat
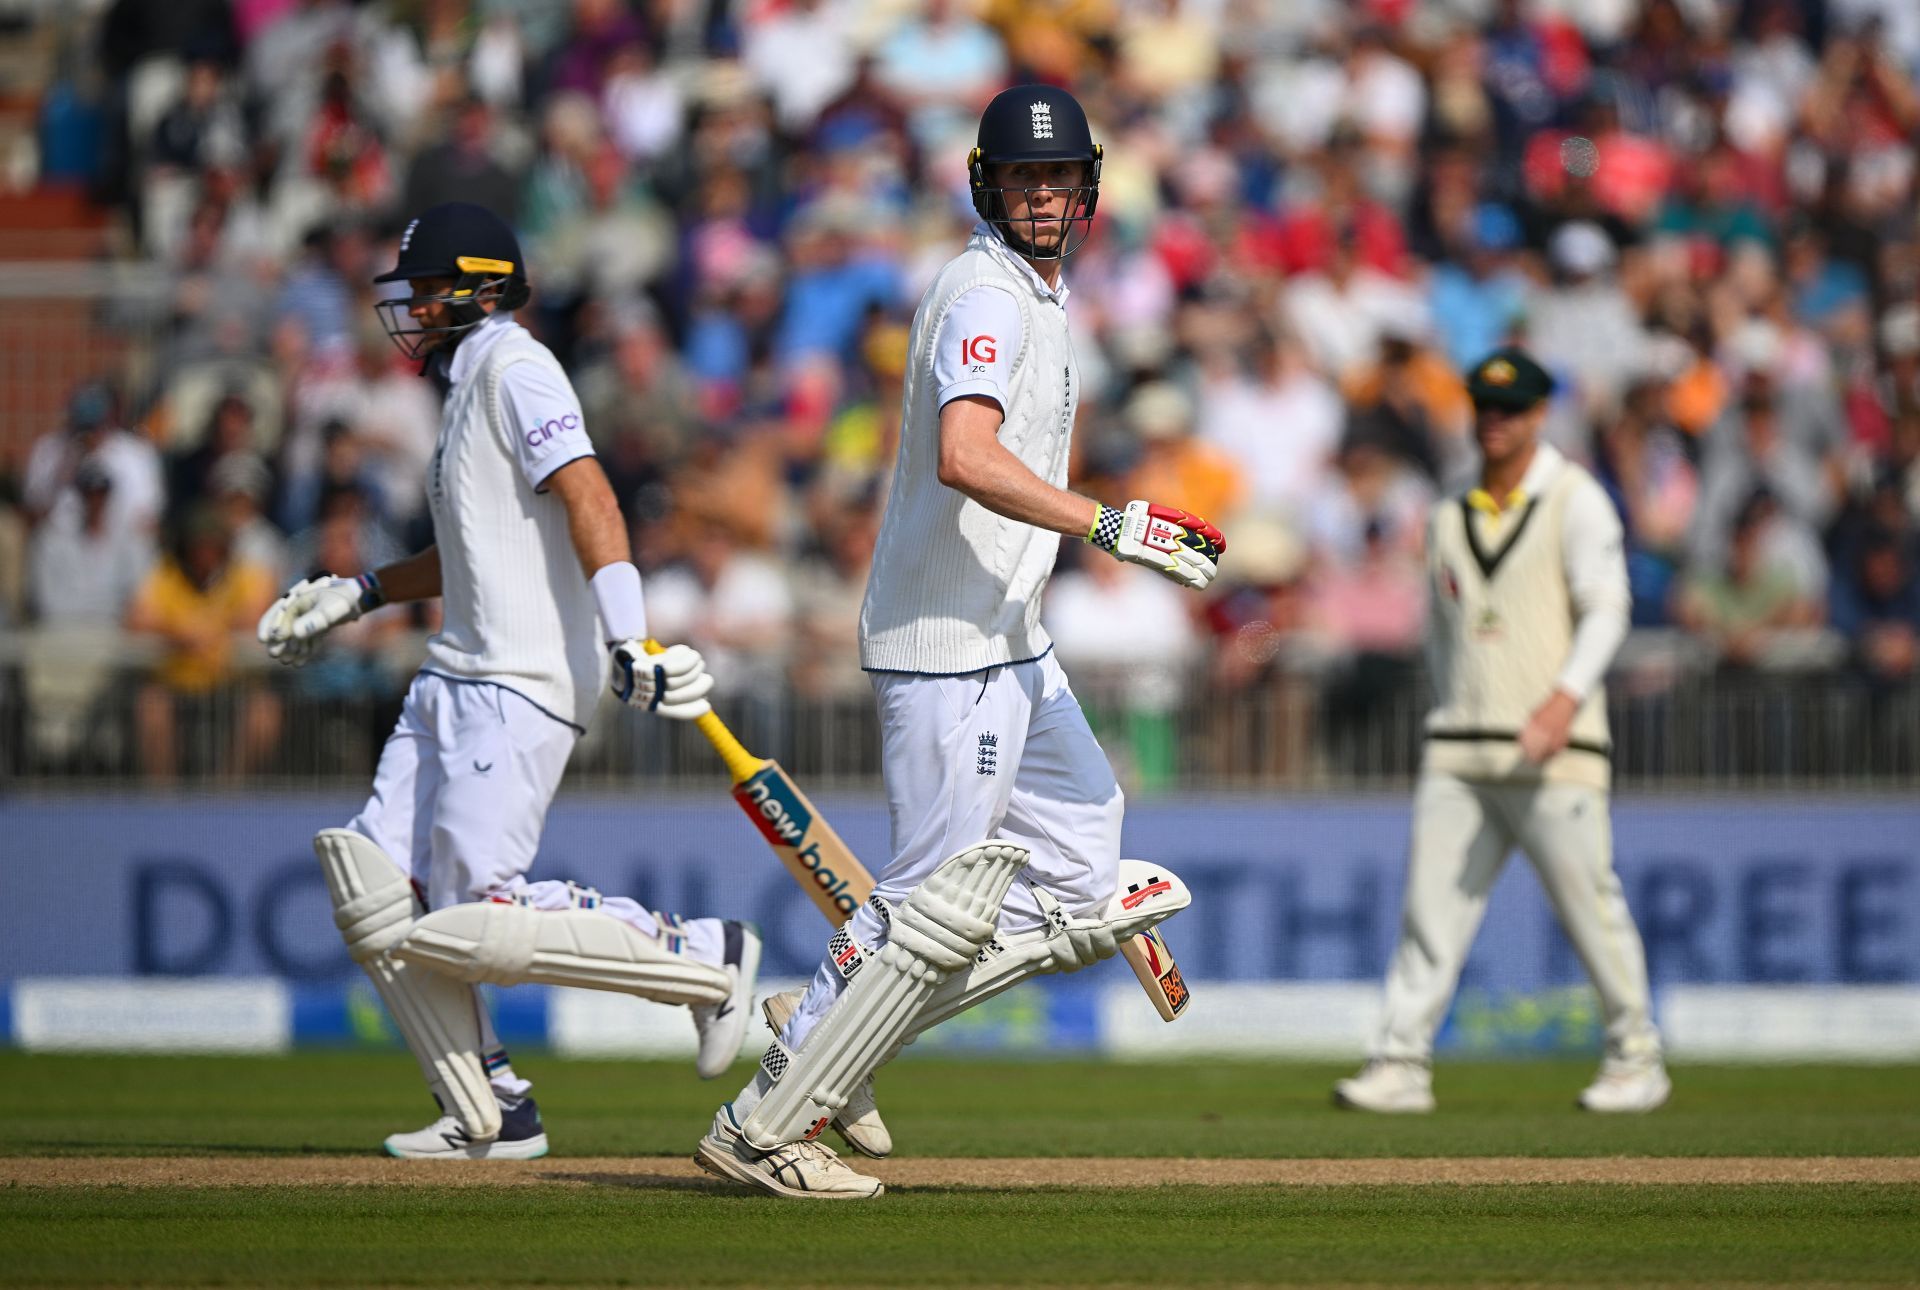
column 838, row 884
column 826, row 869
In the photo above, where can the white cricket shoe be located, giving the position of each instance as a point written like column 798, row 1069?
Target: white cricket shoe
column 858, row 1124
column 1627, row 1088
column 799, row 1170
column 1389, row 1086
column 521, row 1137
column 723, row 1027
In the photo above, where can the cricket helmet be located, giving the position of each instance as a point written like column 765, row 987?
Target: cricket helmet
column 468, row 244
column 1035, row 123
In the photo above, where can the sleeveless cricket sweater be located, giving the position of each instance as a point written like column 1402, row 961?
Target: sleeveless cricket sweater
column 516, row 608
column 955, row 588
column 1502, row 624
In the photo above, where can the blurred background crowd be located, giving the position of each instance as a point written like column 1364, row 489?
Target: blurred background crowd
column 1699, row 214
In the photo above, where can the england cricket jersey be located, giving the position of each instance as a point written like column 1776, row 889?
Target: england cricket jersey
column 517, row 609
column 955, row 588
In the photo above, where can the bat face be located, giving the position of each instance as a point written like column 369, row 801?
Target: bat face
column 829, row 873
column 1159, row 975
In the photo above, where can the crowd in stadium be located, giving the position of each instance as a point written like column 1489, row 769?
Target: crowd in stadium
column 1699, row 214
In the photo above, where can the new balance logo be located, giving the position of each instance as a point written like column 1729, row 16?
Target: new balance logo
column 1042, row 120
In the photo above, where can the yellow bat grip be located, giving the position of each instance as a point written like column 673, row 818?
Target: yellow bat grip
column 741, row 764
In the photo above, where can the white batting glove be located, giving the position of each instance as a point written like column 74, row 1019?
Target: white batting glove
column 1175, row 544
column 1077, row 942
column 673, row 683
column 293, row 625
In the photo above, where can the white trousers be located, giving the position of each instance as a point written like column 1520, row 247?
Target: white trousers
column 1463, row 832
column 459, row 801
column 1005, row 753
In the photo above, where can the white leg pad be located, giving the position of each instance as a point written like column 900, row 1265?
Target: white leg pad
column 507, row 944
column 374, row 906
column 935, row 933
column 1149, row 893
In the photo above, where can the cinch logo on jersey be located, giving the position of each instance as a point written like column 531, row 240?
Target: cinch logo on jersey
column 1042, row 120
column 785, row 823
column 547, row 430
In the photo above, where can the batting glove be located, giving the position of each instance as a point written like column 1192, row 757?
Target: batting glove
column 294, row 624
column 1173, row 543
column 674, row 683
column 1074, row 943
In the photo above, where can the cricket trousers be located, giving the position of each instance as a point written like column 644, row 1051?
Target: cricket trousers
column 1003, row 754
column 1463, row 832
column 459, row 802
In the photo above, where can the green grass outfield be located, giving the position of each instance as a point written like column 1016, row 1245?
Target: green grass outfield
column 639, row 1231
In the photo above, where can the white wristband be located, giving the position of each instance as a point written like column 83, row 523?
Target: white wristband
column 623, row 610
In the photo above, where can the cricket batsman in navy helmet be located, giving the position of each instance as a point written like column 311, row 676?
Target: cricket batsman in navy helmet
column 540, row 601
column 1005, row 813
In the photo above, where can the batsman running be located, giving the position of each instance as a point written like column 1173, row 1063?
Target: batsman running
column 1530, row 603
column 1005, row 814
column 537, row 583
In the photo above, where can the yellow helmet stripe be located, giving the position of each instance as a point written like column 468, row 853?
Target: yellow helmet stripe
column 480, row 264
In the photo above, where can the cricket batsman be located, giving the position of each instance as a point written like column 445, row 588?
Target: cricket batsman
column 1530, row 603
column 537, row 584
column 1005, row 814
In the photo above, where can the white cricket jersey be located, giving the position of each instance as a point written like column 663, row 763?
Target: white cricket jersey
column 1526, row 602
column 955, row 588
column 517, row 610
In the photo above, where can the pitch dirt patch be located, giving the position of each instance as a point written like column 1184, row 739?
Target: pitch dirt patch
column 679, row 1171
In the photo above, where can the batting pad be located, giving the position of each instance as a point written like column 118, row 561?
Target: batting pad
column 1148, row 895
column 374, row 906
column 507, row 944
column 934, row 933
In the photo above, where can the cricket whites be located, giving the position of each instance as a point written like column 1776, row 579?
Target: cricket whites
column 838, row 884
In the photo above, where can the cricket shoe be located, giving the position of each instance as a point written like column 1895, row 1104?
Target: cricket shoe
column 858, row 1124
column 1388, row 1086
column 723, row 1026
column 801, row 1170
column 521, row 1137
column 1627, row 1088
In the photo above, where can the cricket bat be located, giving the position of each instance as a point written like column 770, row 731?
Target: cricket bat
column 835, row 880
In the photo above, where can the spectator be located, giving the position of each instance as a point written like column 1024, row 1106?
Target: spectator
column 942, row 66
column 803, row 58
column 464, row 166
column 83, row 565
column 240, row 486
column 1752, row 610
column 196, row 604
column 138, row 492
column 1281, row 423
column 1173, row 465
column 1876, row 606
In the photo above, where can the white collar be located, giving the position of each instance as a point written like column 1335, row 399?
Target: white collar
column 991, row 238
column 474, row 345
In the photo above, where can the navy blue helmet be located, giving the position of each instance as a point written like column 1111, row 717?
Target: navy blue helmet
column 473, row 248
column 1035, row 123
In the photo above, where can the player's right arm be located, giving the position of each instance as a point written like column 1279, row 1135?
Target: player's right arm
column 975, row 348
column 294, row 624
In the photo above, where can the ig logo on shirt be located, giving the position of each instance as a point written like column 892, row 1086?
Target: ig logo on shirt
column 978, row 352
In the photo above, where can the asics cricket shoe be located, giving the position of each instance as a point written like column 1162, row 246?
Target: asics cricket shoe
column 858, row 1124
column 521, row 1137
column 798, row 1170
column 1627, row 1088
column 1388, row 1086
column 723, row 1027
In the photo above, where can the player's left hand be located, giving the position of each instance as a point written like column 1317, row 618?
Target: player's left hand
column 673, row 683
column 1548, row 729
column 1174, row 543
column 292, row 626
